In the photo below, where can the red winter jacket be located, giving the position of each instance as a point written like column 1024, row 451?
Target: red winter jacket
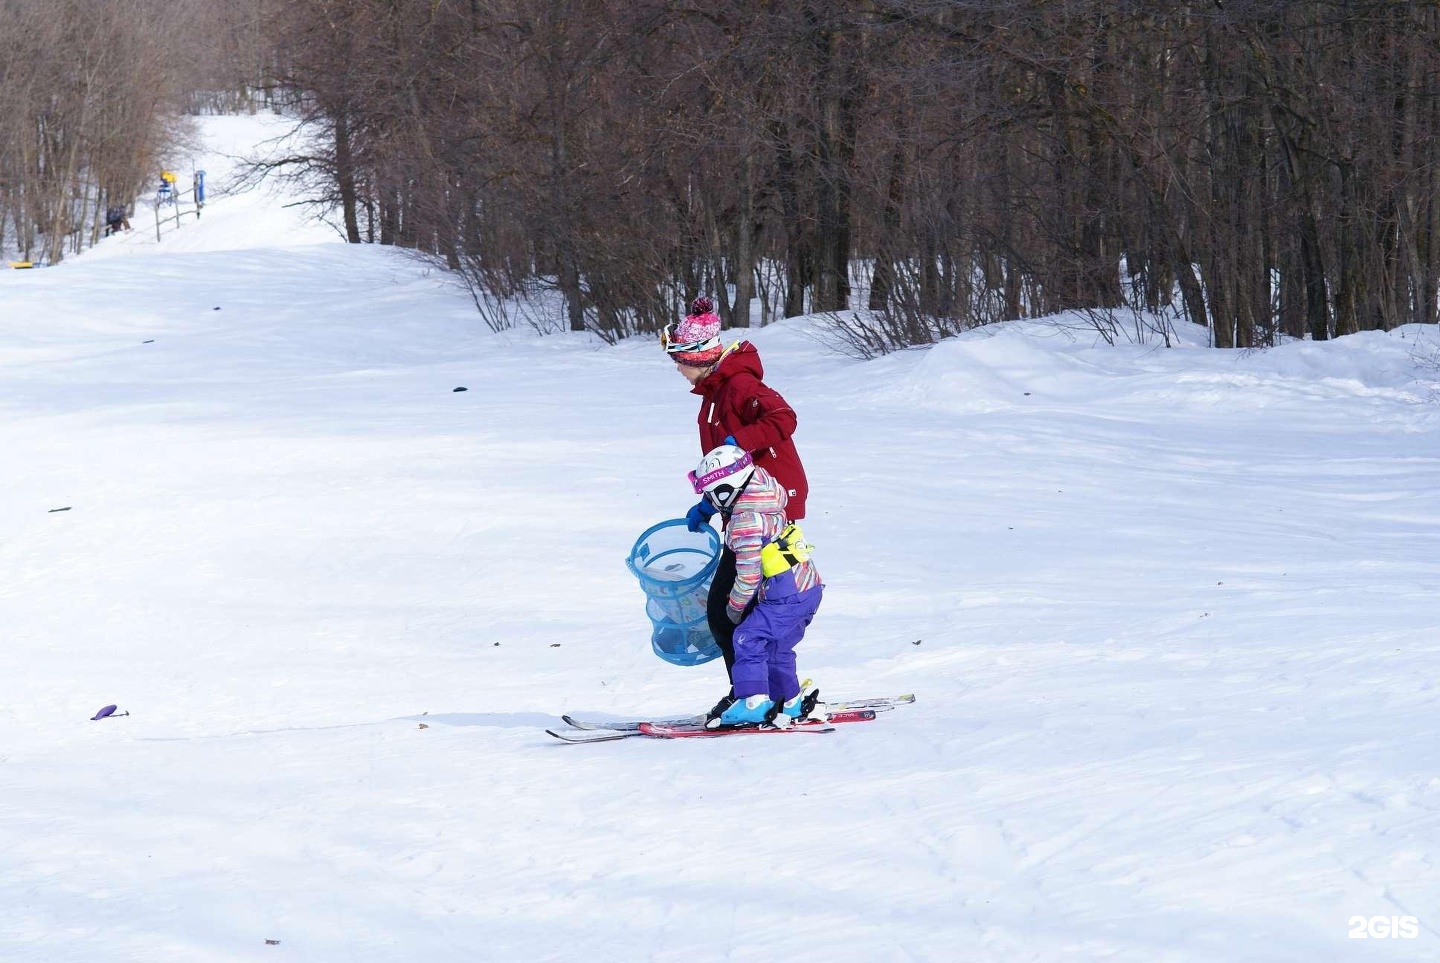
column 735, row 401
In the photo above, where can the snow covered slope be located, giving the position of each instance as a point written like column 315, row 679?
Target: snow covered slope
column 1170, row 615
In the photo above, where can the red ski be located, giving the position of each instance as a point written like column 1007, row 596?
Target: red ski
column 660, row 731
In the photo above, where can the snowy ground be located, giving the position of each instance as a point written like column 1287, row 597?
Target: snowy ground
column 1170, row 615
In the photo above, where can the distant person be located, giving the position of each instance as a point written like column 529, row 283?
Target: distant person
column 115, row 220
column 774, row 593
column 736, row 408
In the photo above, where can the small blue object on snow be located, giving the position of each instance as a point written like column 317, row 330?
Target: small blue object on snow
column 107, row 711
column 675, row 567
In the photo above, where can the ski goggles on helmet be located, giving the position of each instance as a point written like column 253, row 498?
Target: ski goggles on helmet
column 701, row 482
column 671, row 346
column 709, row 484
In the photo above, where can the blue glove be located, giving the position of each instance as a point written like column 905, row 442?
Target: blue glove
column 699, row 515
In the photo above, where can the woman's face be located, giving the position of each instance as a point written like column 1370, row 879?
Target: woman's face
column 692, row 374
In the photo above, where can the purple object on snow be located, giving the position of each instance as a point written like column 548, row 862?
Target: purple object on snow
column 103, row 713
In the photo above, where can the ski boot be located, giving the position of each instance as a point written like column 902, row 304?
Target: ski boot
column 756, row 710
column 726, row 701
column 806, row 705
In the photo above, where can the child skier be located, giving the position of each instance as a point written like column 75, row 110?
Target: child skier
column 776, row 592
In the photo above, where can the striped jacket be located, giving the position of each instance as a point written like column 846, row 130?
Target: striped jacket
column 758, row 518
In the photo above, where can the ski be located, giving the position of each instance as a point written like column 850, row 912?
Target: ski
column 886, row 702
column 671, row 732
column 663, row 730
column 633, row 725
column 591, row 735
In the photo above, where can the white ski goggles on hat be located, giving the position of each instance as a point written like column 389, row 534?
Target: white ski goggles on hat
column 671, row 346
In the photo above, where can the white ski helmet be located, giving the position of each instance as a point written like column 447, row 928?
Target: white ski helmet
column 722, row 475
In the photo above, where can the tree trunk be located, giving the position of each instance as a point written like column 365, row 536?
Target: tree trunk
column 840, row 57
column 345, row 177
column 745, row 238
column 882, row 279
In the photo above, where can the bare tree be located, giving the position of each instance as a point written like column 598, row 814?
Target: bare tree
column 976, row 160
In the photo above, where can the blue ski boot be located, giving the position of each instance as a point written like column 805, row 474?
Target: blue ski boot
column 751, row 711
column 804, row 705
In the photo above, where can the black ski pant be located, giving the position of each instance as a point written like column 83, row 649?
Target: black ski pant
column 716, row 605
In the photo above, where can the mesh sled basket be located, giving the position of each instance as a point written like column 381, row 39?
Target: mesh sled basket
column 675, row 567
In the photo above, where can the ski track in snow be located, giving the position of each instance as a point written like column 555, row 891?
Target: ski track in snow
column 1169, row 615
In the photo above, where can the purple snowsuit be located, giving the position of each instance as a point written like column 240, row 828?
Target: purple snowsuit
column 765, row 641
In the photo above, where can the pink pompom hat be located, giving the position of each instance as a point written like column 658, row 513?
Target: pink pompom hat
column 695, row 342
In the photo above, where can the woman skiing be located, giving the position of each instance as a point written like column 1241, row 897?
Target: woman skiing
column 736, row 408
